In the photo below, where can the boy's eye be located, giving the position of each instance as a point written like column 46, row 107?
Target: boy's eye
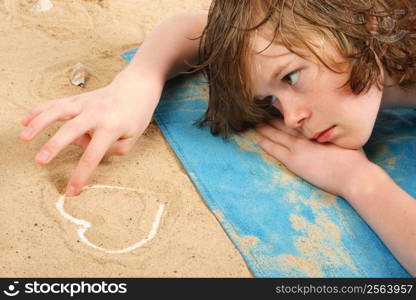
column 292, row 78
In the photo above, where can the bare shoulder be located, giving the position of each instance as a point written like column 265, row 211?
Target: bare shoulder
column 410, row 96
column 394, row 96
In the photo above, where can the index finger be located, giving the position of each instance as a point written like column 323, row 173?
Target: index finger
column 100, row 142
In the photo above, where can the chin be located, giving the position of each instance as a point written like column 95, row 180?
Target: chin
column 352, row 143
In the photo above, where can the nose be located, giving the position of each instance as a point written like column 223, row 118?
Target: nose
column 294, row 116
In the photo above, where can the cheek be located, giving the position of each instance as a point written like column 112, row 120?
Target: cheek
column 353, row 134
column 367, row 107
column 362, row 113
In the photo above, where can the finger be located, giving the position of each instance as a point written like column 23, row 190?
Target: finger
column 121, row 147
column 35, row 111
column 62, row 138
column 276, row 150
column 279, row 124
column 83, row 141
column 92, row 156
column 276, row 135
column 46, row 118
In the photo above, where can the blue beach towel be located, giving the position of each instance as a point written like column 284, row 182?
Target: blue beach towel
column 282, row 225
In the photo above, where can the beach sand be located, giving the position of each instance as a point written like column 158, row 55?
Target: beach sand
column 37, row 52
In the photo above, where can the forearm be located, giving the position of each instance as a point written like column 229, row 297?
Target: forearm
column 165, row 52
column 389, row 211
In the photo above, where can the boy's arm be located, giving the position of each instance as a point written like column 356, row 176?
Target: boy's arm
column 164, row 53
column 109, row 120
column 389, row 211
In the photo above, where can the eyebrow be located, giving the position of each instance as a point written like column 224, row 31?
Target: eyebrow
column 278, row 71
column 276, row 74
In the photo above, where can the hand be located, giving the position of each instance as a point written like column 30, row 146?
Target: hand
column 105, row 121
column 326, row 166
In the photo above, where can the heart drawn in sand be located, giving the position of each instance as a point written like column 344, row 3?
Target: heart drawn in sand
column 85, row 225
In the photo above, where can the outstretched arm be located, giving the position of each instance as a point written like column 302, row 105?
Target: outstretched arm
column 387, row 209
column 170, row 46
column 108, row 121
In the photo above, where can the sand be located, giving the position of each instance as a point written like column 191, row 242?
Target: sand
column 37, row 52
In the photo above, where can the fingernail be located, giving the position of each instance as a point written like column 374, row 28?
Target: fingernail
column 26, row 118
column 43, row 156
column 27, row 132
column 70, row 191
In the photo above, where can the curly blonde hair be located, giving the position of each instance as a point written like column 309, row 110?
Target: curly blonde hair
column 366, row 32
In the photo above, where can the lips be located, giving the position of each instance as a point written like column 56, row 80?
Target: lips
column 323, row 134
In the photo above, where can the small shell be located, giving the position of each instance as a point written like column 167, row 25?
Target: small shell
column 79, row 75
column 41, row 6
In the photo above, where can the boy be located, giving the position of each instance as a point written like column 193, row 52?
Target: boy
column 326, row 67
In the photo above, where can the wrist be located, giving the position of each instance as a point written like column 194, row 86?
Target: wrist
column 141, row 91
column 365, row 182
column 133, row 76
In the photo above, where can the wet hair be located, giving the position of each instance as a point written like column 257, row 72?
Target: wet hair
column 368, row 34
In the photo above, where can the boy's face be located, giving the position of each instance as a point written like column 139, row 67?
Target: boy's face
column 309, row 98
